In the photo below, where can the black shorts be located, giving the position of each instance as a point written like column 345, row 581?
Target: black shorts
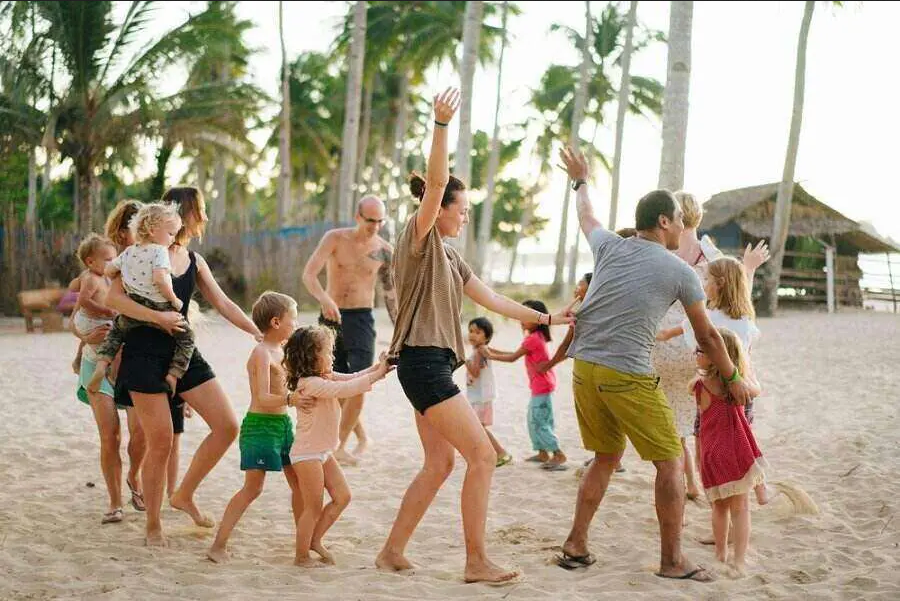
column 354, row 340
column 146, row 373
column 426, row 375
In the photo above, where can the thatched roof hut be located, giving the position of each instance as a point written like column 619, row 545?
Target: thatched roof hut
column 737, row 217
column 751, row 211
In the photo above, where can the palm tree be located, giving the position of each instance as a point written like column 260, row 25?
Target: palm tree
column 471, row 33
column 404, row 40
column 350, row 138
column 577, row 116
column 284, row 146
column 109, row 102
column 484, row 230
column 624, row 88
column 675, row 104
column 769, row 302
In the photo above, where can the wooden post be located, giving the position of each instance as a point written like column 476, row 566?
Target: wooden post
column 891, row 276
column 829, row 268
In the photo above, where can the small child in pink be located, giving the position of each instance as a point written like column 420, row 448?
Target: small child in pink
column 542, row 385
column 308, row 357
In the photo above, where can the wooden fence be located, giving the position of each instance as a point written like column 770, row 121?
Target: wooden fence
column 243, row 264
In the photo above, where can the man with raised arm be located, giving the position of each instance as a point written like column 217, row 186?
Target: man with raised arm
column 616, row 393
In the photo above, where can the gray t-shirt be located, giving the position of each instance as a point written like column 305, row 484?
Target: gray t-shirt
column 634, row 283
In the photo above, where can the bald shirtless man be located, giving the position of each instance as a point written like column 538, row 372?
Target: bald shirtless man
column 354, row 259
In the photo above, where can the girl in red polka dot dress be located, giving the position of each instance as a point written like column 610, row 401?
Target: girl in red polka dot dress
column 732, row 462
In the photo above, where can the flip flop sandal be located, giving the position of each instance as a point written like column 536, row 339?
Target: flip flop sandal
column 504, row 460
column 574, row 562
column 690, row 575
column 137, row 499
column 113, row 516
column 554, row 467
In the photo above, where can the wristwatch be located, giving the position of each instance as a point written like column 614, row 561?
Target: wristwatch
column 577, row 184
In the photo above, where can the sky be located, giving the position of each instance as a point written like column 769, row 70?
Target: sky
column 741, row 95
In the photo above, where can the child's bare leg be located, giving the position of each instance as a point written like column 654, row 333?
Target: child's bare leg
column 172, row 465
column 498, row 448
column 172, row 381
column 76, row 362
column 253, row 485
column 740, row 517
column 720, row 528
column 690, row 480
column 362, row 438
column 296, row 495
column 311, row 477
column 339, row 491
column 99, row 373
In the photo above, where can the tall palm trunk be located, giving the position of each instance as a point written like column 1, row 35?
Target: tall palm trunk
column 220, row 178
column 220, row 183
column 84, row 182
column 284, row 136
column 675, row 99
column 624, row 91
column 350, row 136
column 487, row 210
column 577, row 115
column 782, row 222
column 365, row 131
column 31, row 207
column 159, row 179
column 397, row 154
column 523, row 223
column 471, row 35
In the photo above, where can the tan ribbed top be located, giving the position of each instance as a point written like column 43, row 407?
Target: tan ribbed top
column 429, row 283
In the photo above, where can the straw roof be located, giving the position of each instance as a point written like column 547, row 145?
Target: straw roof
column 753, row 210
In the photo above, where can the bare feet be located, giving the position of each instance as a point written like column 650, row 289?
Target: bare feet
column 156, row 539
column 558, row 458
column 308, row 562
column 722, row 556
column 188, row 506
column 488, row 571
column 541, row 457
column 324, row 553
column 361, row 447
column 737, row 570
column 345, row 457
column 394, row 562
column 217, row 554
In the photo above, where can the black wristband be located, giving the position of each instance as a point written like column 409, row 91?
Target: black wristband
column 439, row 124
column 577, row 184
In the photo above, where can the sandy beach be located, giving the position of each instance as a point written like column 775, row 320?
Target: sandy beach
column 827, row 422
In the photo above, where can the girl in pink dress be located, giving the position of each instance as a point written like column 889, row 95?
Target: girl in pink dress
column 732, row 463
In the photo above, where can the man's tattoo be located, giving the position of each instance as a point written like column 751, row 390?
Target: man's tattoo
column 386, row 276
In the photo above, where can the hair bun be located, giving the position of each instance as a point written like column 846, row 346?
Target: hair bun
column 417, row 185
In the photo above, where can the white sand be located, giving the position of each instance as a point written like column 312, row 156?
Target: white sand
column 828, row 423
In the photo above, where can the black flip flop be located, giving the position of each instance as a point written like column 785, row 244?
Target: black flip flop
column 689, row 576
column 574, row 562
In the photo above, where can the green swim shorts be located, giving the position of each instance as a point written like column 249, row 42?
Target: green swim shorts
column 265, row 441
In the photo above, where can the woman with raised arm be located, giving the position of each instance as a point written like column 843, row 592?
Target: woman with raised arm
column 428, row 344
column 145, row 359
